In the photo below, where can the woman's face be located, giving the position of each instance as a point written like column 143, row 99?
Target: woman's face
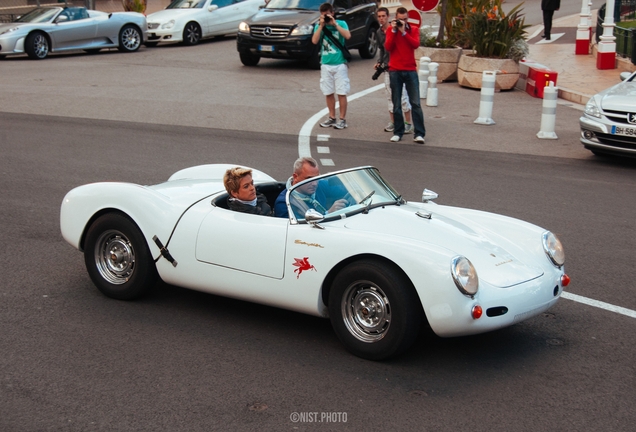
column 246, row 191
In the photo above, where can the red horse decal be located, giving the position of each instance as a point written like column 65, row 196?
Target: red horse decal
column 302, row 264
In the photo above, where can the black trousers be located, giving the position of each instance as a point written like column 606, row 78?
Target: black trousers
column 547, row 22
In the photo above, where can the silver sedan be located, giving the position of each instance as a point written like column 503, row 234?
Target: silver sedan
column 609, row 123
column 57, row 29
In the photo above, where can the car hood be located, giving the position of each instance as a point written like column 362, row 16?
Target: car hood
column 493, row 262
column 284, row 17
column 621, row 97
column 21, row 26
column 168, row 14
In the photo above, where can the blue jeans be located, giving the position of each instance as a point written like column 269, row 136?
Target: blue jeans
column 412, row 83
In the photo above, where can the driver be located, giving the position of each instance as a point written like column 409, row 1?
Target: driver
column 313, row 195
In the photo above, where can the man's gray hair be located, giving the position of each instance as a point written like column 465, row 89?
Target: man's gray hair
column 298, row 165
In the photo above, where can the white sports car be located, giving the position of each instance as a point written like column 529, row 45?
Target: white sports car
column 189, row 21
column 376, row 268
column 57, row 29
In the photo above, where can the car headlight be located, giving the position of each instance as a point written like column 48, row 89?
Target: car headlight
column 553, row 249
column 304, row 29
column 9, row 30
column 168, row 25
column 244, row 27
column 464, row 275
column 592, row 109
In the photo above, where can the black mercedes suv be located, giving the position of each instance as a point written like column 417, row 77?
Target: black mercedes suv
column 283, row 30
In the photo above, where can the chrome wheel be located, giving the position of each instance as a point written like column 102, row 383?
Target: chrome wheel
column 37, row 46
column 114, row 257
column 371, row 47
column 129, row 39
column 191, row 34
column 366, row 311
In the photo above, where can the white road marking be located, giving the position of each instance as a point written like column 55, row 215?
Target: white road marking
column 599, row 304
column 304, row 147
column 320, row 137
column 321, row 149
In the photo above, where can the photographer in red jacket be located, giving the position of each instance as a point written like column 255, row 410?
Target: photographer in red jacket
column 402, row 39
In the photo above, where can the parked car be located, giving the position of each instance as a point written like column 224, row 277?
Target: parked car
column 56, row 29
column 283, row 30
column 376, row 268
column 608, row 125
column 189, row 21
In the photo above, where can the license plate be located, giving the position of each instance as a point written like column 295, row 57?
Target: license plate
column 626, row 131
column 268, row 48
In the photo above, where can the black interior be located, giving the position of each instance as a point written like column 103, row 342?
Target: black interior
column 270, row 190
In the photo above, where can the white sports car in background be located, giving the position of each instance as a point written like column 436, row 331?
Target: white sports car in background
column 189, row 21
column 376, row 268
column 608, row 125
column 57, row 29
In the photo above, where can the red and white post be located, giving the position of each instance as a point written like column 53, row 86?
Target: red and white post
column 606, row 57
column 583, row 30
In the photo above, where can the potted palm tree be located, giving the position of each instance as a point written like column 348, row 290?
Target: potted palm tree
column 498, row 41
column 135, row 5
column 443, row 51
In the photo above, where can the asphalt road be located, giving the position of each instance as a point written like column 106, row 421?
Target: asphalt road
column 181, row 360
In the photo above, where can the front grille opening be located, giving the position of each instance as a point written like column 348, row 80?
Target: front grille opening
column 496, row 311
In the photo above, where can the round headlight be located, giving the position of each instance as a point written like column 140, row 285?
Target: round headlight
column 553, row 249
column 464, row 275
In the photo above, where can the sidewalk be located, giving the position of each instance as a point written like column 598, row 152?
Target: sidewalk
column 578, row 78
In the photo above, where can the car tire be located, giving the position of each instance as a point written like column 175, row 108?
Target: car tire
column 374, row 309
column 129, row 38
column 249, row 59
column 37, row 46
column 151, row 44
column 370, row 47
column 118, row 259
column 191, row 33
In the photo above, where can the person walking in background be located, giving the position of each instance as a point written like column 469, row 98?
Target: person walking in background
column 402, row 40
column 383, row 61
column 548, row 7
column 334, row 71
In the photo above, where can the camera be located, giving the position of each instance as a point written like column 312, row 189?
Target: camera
column 398, row 23
column 379, row 71
column 327, row 19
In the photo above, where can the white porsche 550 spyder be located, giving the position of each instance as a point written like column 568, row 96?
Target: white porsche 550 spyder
column 376, row 268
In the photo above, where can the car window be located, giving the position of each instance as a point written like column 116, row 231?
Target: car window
column 39, row 15
column 222, row 3
column 295, row 4
column 186, row 4
column 341, row 4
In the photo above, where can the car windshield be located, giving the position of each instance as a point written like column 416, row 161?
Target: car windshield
column 39, row 15
column 295, row 4
column 342, row 194
column 186, row 4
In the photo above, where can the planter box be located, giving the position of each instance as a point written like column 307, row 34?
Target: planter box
column 470, row 70
column 447, row 58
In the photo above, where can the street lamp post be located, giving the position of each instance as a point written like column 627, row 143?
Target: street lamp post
column 606, row 56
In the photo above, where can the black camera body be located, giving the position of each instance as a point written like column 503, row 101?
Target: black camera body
column 327, row 19
column 379, row 71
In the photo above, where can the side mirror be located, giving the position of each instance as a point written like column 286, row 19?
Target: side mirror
column 61, row 19
column 212, row 8
column 313, row 217
column 428, row 195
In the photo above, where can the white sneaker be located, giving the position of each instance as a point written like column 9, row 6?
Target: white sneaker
column 419, row 139
column 395, row 138
column 408, row 128
column 390, row 127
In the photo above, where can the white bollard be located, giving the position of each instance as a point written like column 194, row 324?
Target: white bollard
column 488, row 79
column 423, row 75
column 431, row 94
column 548, row 114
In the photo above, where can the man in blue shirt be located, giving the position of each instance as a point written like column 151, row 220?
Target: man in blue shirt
column 312, row 195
